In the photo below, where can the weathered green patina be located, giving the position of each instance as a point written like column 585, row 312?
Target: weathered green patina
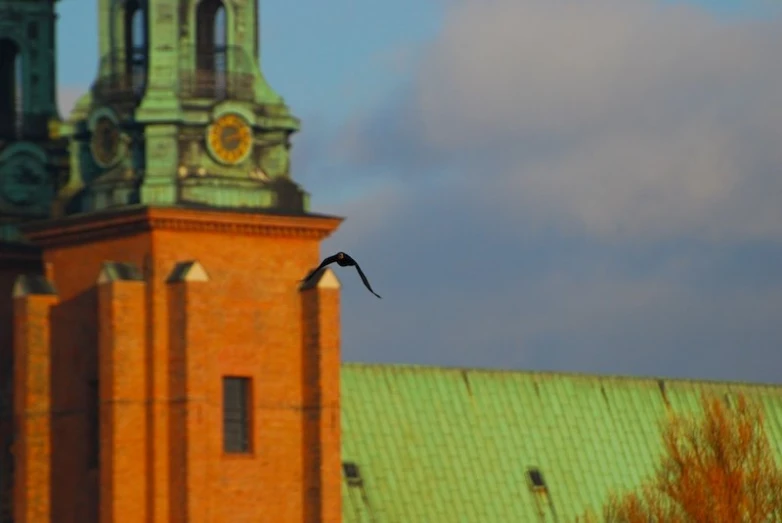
column 450, row 445
column 32, row 158
column 169, row 70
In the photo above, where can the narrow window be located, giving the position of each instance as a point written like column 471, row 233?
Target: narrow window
column 19, row 95
column 93, row 424
column 220, row 53
column 11, row 89
column 236, row 415
column 136, row 46
column 211, row 40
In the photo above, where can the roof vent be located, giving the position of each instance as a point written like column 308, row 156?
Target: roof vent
column 536, row 479
column 352, row 474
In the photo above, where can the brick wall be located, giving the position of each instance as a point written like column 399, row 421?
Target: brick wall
column 132, row 315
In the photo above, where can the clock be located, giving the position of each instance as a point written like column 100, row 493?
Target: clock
column 229, row 139
column 23, row 180
column 105, row 142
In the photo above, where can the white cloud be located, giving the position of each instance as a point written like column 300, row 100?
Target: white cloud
column 587, row 186
column 615, row 117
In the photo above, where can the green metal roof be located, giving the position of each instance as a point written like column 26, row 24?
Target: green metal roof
column 452, row 445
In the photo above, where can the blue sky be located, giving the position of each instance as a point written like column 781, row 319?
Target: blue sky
column 582, row 186
column 343, row 47
column 323, row 56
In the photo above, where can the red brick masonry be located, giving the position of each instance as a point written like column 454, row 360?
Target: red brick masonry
column 158, row 305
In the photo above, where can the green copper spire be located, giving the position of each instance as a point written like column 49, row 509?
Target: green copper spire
column 31, row 156
column 180, row 113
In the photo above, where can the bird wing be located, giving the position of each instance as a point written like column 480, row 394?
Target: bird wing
column 366, row 282
column 327, row 261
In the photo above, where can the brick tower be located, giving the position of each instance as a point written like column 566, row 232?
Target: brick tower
column 169, row 366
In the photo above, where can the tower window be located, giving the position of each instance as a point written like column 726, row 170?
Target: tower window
column 220, row 51
column 212, row 47
column 236, row 415
column 136, row 46
column 11, row 89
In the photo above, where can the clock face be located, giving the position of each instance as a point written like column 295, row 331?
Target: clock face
column 23, row 180
column 105, row 141
column 230, row 139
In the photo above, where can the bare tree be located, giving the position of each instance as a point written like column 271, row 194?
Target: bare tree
column 716, row 468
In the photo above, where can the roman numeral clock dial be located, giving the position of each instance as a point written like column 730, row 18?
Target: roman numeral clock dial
column 229, row 139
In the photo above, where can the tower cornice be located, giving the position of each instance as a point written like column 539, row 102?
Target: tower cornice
column 126, row 221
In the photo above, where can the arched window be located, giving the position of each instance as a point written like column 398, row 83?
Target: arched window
column 220, row 49
column 212, row 45
column 136, row 46
column 11, row 89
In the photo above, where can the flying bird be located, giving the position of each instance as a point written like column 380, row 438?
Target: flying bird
column 343, row 260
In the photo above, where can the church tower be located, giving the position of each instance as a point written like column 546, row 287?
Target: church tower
column 169, row 366
column 180, row 113
column 31, row 155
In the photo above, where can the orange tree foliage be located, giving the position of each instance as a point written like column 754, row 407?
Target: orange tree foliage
column 717, row 468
